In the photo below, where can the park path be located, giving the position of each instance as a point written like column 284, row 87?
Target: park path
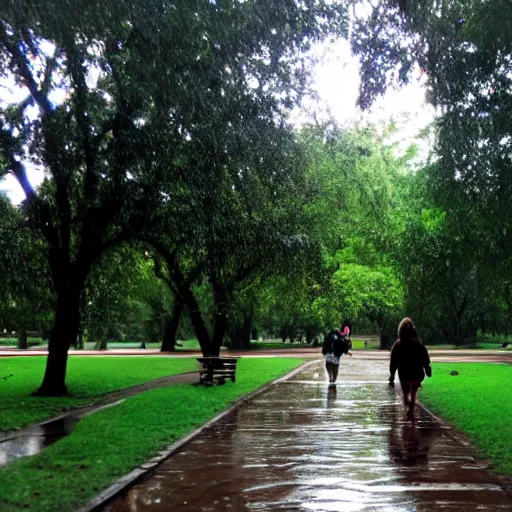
column 304, row 446
column 438, row 355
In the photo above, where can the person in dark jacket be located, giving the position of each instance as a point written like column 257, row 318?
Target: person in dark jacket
column 336, row 343
column 410, row 357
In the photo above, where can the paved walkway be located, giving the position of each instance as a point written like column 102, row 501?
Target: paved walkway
column 467, row 355
column 304, row 446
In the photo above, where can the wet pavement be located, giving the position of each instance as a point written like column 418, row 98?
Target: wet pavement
column 33, row 439
column 304, row 446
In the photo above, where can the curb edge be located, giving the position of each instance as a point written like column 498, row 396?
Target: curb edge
column 129, row 479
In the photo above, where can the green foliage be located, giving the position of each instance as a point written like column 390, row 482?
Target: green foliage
column 89, row 377
column 476, row 402
column 360, row 204
column 123, row 299
column 464, row 50
column 26, row 296
column 71, row 471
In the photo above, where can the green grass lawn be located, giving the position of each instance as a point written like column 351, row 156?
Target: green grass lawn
column 87, row 377
column 478, row 401
column 110, row 443
column 358, row 344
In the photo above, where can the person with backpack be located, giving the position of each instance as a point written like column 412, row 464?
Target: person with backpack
column 410, row 357
column 336, row 343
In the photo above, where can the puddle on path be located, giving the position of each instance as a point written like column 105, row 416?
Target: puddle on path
column 34, row 439
column 304, row 446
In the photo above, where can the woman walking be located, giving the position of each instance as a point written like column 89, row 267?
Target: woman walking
column 410, row 357
column 336, row 343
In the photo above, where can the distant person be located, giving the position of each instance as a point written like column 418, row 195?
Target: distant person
column 336, row 343
column 410, row 357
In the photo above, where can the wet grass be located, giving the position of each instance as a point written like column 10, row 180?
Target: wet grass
column 108, row 444
column 478, row 401
column 87, row 377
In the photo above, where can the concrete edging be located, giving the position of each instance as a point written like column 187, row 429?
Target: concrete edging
column 454, row 433
column 131, row 478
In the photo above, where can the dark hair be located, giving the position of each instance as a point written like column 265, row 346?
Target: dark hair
column 407, row 331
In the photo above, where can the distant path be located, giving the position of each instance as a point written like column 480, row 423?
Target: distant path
column 304, row 446
column 476, row 355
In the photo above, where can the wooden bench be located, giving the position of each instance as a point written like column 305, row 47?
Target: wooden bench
column 217, row 369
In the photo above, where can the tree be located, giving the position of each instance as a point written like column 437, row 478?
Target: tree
column 357, row 212
column 123, row 299
column 26, row 295
column 249, row 223
column 464, row 50
column 134, row 82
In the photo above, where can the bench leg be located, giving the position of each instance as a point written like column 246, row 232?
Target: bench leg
column 209, row 375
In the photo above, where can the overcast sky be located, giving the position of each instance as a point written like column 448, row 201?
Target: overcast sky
column 336, row 79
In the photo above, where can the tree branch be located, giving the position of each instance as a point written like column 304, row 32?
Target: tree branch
column 7, row 145
column 24, row 70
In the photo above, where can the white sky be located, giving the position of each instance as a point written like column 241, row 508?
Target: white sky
column 336, row 80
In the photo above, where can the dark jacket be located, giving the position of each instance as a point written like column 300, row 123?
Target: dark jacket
column 335, row 343
column 411, row 359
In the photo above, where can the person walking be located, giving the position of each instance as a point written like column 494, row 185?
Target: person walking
column 410, row 357
column 336, row 343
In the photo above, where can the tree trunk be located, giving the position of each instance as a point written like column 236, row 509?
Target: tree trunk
column 219, row 330
column 221, row 316
column 80, row 339
column 384, row 335
column 171, row 327
column 241, row 336
column 65, row 329
column 247, row 331
column 384, row 340
column 196, row 319
column 101, row 344
column 22, row 339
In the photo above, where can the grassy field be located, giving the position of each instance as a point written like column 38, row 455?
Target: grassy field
column 87, row 377
column 478, row 401
column 110, row 443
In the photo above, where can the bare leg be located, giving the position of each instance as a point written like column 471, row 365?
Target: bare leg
column 405, row 391
column 414, row 391
column 328, row 367
column 335, row 368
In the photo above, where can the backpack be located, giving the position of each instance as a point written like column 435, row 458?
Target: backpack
column 337, row 343
column 346, row 344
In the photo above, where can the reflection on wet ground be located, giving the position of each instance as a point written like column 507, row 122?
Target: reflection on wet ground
column 305, row 446
column 33, row 439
